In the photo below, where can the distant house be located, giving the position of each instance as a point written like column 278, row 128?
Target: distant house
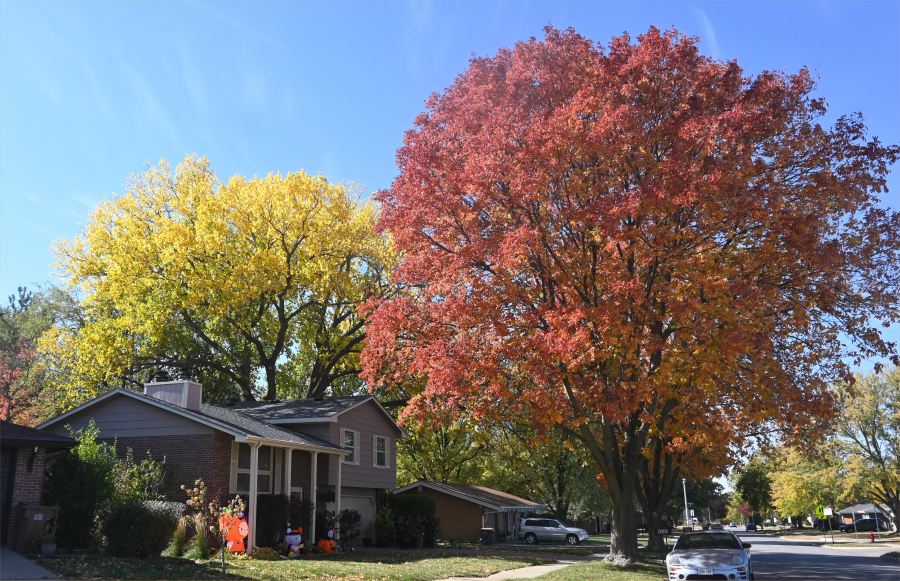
column 22, row 472
column 297, row 447
column 859, row 510
column 464, row 509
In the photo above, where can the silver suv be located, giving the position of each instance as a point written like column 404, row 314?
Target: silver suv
column 544, row 529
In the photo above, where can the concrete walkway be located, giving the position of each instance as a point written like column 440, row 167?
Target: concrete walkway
column 15, row 566
column 523, row 573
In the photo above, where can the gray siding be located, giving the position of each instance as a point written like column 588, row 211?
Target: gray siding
column 123, row 417
column 369, row 421
column 318, row 430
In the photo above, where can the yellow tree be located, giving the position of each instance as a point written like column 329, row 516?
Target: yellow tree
column 804, row 479
column 240, row 278
column 869, row 429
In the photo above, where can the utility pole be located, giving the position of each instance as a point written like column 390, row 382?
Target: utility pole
column 687, row 515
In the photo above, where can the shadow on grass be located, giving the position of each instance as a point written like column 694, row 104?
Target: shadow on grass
column 96, row 566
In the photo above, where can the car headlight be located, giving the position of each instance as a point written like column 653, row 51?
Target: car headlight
column 674, row 560
column 737, row 560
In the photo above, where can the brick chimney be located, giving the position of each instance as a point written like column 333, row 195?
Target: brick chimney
column 182, row 392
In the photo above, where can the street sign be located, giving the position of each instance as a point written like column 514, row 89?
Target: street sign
column 820, row 511
column 828, row 512
column 664, row 532
column 692, row 512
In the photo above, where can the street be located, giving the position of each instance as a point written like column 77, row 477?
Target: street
column 775, row 558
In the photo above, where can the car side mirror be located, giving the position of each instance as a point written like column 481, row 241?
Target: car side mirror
column 747, row 545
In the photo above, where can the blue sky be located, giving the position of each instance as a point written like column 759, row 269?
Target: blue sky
column 91, row 92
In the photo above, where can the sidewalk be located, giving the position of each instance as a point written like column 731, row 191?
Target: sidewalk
column 15, row 566
column 523, row 573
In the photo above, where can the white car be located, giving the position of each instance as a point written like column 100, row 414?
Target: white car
column 545, row 529
column 709, row 555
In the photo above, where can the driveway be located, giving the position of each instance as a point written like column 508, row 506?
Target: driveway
column 775, row 558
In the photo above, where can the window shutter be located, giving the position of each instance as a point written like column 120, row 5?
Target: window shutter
column 356, row 448
column 374, row 451
column 278, row 453
column 387, row 452
column 232, row 483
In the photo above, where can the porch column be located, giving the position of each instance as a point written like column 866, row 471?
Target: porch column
column 254, row 471
column 289, row 453
column 337, row 492
column 313, row 469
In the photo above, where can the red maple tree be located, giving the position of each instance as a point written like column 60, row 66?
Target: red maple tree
column 20, row 384
column 613, row 239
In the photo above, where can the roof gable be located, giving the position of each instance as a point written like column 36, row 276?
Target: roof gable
column 488, row 497
column 309, row 410
column 233, row 422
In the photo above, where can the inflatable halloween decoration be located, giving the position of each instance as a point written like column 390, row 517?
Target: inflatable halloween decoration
column 327, row 545
column 237, row 529
column 294, row 541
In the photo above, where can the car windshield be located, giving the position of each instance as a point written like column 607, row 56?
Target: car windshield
column 711, row 541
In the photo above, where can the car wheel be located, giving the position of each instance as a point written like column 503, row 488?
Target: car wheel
column 572, row 539
column 531, row 539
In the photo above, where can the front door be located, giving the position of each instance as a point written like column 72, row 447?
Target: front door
column 6, row 474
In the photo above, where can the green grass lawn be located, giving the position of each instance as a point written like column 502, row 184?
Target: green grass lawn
column 598, row 570
column 838, row 545
column 375, row 566
column 892, row 554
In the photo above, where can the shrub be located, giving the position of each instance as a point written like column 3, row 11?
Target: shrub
column 301, row 512
column 142, row 481
column 432, row 526
column 199, row 545
column 138, row 528
column 408, row 506
column 385, row 525
column 266, row 554
column 81, row 482
column 348, row 527
column 198, row 520
column 272, row 517
column 179, row 539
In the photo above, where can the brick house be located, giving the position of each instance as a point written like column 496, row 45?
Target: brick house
column 22, row 470
column 296, row 447
column 465, row 509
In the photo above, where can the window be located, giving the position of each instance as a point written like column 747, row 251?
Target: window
column 350, row 441
column 297, row 493
column 380, row 451
column 241, row 469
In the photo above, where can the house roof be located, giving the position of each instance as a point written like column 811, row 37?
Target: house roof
column 864, row 507
column 303, row 408
column 307, row 410
column 253, row 426
column 15, row 435
column 487, row 497
column 235, row 422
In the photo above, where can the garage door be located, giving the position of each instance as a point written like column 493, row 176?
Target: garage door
column 365, row 506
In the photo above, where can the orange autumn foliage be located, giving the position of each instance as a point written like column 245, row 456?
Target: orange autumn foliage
column 633, row 243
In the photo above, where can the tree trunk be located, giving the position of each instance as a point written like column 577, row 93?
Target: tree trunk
column 623, row 549
column 271, row 392
column 655, row 542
